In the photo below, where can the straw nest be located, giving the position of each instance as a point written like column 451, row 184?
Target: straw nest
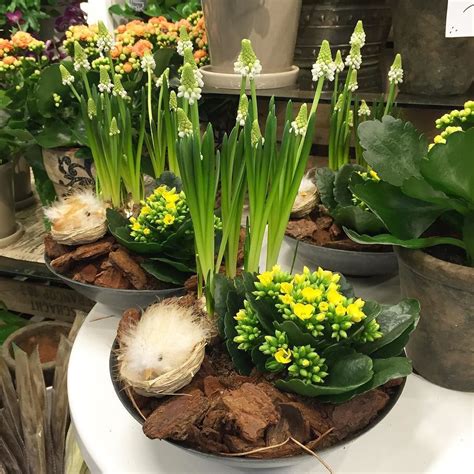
column 162, row 352
column 79, row 218
column 307, row 198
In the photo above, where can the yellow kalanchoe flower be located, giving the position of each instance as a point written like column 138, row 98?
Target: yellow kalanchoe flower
column 303, row 311
column 354, row 310
column 286, row 287
column 265, row 278
column 286, row 299
column 283, row 356
column 168, row 219
column 311, row 294
column 334, row 297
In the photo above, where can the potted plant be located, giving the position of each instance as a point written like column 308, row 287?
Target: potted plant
column 303, row 334
column 430, row 69
column 263, row 23
column 7, row 203
column 316, row 232
column 425, row 200
column 334, row 20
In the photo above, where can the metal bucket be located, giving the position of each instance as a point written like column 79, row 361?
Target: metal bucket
column 334, row 20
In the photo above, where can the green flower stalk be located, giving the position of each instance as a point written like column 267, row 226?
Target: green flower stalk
column 115, row 142
column 395, row 77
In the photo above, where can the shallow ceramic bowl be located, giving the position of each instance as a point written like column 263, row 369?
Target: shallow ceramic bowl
column 117, row 299
column 347, row 262
column 240, row 462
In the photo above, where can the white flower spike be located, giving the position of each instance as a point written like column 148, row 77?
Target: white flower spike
column 324, row 65
column 184, row 41
column 300, row 124
column 395, row 75
column 247, row 64
column 189, row 88
column 243, row 110
column 358, row 36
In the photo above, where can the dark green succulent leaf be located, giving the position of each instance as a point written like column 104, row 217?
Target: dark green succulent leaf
column 393, row 148
column 325, row 182
column 188, row 268
column 345, row 287
column 396, row 347
column 345, row 374
column 162, row 58
column 372, row 309
column 449, row 167
column 405, row 217
column 419, row 188
column 388, row 239
column 115, row 220
column 361, row 220
column 394, row 321
column 342, row 193
column 169, row 179
column 384, row 371
column 296, row 336
column 259, row 359
column 248, row 280
column 50, row 83
column 265, row 311
column 165, row 273
column 241, row 360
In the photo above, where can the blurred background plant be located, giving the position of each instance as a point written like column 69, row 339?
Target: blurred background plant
column 173, row 10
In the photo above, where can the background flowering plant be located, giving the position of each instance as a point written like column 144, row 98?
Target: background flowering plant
column 312, row 331
column 425, row 195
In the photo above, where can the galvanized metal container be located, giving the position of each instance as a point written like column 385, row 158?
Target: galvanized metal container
column 334, row 20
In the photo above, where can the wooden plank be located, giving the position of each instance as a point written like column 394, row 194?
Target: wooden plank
column 44, row 300
column 29, row 248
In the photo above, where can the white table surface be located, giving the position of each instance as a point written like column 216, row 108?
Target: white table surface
column 430, row 429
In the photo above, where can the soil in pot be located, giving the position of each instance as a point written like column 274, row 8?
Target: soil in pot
column 223, row 412
column 47, row 345
column 318, row 228
column 103, row 263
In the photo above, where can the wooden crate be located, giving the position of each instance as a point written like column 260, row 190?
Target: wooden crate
column 42, row 299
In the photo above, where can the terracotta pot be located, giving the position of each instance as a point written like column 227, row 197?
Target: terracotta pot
column 271, row 25
column 442, row 345
column 433, row 64
column 66, row 170
column 25, row 338
column 334, row 20
column 7, row 201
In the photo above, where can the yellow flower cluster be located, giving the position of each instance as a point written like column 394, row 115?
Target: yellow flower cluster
column 160, row 215
column 455, row 121
column 312, row 300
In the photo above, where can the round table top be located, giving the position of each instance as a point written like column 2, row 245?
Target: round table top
column 430, row 429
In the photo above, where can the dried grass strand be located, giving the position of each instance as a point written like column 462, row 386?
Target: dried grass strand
column 312, row 453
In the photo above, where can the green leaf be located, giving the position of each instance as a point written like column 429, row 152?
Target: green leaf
column 265, row 311
column 222, row 287
column 259, row 359
column 393, row 321
column 178, row 265
column 162, row 59
column 345, row 287
column 396, row 347
column 50, row 83
column 403, row 216
column 347, row 373
column 55, row 134
column 449, row 166
column 115, row 220
column 414, row 244
column 468, row 236
column 384, row 371
column 164, row 273
column 325, row 182
column 361, row 220
column 124, row 10
column 393, row 148
column 420, row 189
column 296, row 336
column 342, row 193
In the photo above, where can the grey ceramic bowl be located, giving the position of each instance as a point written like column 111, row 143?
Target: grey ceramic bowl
column 347, row 262
column 117, row 299
column 240, row 462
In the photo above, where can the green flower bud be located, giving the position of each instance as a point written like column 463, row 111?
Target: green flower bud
column 91, row 109
column 66, row 77
column 114, row 130
column 256, row 135
column 185, row 126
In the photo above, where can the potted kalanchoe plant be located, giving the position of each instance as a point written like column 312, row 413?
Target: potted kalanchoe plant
column 306, row 334
column 318, row 228
column 425, row 198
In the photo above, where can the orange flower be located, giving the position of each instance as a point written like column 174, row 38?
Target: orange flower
column 22, row 40
column 141, row 47
column 121, row 29
column 137, row 28
column 9, row 60
column 157, row 20
column 199, row 54
column 127, row 67
column 82, row 32
column 116, row 51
